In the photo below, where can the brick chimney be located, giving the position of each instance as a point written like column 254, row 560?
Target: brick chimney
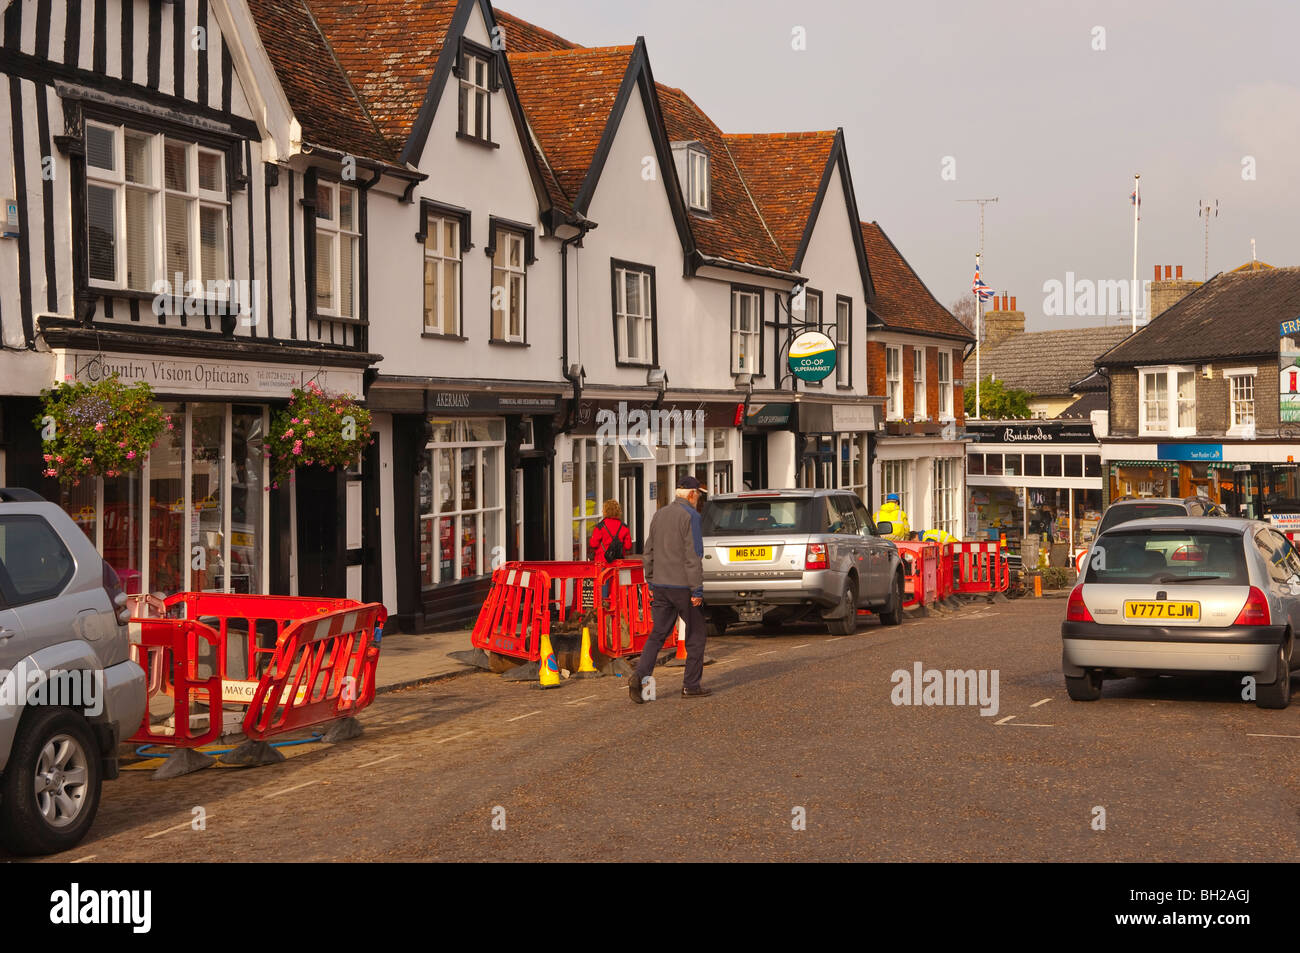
column 1167, row 289
column 1002, row 320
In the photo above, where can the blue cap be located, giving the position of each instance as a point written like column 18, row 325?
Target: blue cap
column 892, row 498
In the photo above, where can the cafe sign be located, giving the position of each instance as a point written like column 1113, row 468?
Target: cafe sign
column 812, row 356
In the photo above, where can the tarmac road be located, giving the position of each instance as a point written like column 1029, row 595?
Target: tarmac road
column 801, row 720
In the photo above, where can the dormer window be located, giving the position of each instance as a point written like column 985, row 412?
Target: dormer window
column 476, row 71
column 692, row 161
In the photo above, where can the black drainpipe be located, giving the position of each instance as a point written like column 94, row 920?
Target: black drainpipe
column 575, row 379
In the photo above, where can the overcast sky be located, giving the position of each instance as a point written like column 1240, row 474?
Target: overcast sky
column 1029, row 111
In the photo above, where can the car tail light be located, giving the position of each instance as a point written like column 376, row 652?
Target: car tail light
column 1191, row 553
column 1255, row 611
column 1075, row 610
column 816, row 557
column 116, row 594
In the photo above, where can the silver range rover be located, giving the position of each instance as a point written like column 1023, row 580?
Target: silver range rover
column 1180, row 595
column 776, row 556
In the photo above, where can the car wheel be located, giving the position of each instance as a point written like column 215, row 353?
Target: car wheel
column 715, row 626
column 1084, row 688
column 1277, row 695
column 50, row 790
column 892, row 614
column 847, row 623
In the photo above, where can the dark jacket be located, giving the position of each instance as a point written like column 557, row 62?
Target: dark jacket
column 674, row 549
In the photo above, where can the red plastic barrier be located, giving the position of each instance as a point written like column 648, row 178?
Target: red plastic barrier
column 981, row 567
column 528, row 598
column 323, row 668
column 163, row 644
column 946, row 581
column 920, row 572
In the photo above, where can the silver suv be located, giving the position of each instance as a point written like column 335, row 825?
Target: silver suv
column 776, row 556
column 68, row 689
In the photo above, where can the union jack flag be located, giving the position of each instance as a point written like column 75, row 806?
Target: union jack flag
column 978, row 287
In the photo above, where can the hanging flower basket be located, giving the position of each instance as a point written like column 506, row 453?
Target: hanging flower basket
column 101, row 429
column 317, row 429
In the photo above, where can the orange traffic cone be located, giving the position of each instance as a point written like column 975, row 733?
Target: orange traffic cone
column 681, row 639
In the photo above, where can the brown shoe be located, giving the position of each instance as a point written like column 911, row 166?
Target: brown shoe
column 700, row 692
column 634, row 689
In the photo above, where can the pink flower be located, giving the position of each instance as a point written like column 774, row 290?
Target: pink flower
column 68, row 378
column 99, row 427
column 121, row 444
column 85, row 461
column 130, row 454
column 311, row 433
column 58, row 459
column 49, row 473
column 170, row 425
column 287, row 434
column 49, row 457
column 294, row 420
column 297, row 447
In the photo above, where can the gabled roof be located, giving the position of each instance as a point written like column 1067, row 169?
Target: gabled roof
column 1085, row 405
column 734, row 229
column 389, row 50
column 784, row 171
column 902, row 299
column 569, row 97
column 1232, row 315
column 1044, row 363
column 328, row 108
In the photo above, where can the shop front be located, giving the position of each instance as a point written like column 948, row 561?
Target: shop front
column 199, row 514
column 1042, row 478
column 834, row 445
column 470, row 489
column 635, row 451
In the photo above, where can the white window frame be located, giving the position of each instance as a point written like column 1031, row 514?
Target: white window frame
column 894, row 381
column 514, row 280
column 481, row 452
column 474, row 93
column 1171, row 401
column 945, row 499
column 742, row 336
column 444, row 260
column 697, row 175
column 945, row 385
column 896, row 477
column 843, row 341
column 197, row 199
column 1241, row 410
column 349, row 238
column 918, row 383
column 633, row 326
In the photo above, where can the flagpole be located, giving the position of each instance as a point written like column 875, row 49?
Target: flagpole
column 979, row 316
column 1137, row 208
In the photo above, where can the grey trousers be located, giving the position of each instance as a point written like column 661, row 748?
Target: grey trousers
column 667, row 606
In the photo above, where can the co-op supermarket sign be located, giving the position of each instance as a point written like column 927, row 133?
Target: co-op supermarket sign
column 172, row 375
column 812, row 356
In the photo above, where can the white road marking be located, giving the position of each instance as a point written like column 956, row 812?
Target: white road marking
column 1251, row 734
column 773, row 652
column 287, row 790
column 1029, row 724
column 801, row 646
column 369, row 764
column 1003, row 721
column 1043, row 702
column 729, row 658
column 454, row 737
column 579, row 701
column 529, row 715
column 170, row 829
column 82, row 860
column 837, row 638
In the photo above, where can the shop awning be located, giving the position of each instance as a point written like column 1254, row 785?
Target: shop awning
column 1162, row 464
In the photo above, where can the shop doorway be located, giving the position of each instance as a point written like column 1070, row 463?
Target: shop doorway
column 534, row 498
column 754, row 461
column 630, row 497
column 320, row 568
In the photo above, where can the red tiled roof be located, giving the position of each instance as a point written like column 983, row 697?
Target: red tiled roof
column 735, row 229
column 326, row 105
column 902, row 300
column 389, row 51
column 783, row 171
column 567, row 97
column 524, row 37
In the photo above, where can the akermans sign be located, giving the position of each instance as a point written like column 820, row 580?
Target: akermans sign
column 174, row 375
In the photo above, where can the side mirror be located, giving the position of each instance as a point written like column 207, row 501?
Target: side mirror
column 885, row 529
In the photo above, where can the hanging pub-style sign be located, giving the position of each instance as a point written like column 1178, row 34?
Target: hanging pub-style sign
column 812, row 356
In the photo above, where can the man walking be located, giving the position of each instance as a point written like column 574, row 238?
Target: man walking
column 674, row 569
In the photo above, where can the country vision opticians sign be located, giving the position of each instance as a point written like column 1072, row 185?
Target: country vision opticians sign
column 178, row 375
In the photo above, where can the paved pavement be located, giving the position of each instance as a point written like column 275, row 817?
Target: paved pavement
column 802, row 730
column 407, row 659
